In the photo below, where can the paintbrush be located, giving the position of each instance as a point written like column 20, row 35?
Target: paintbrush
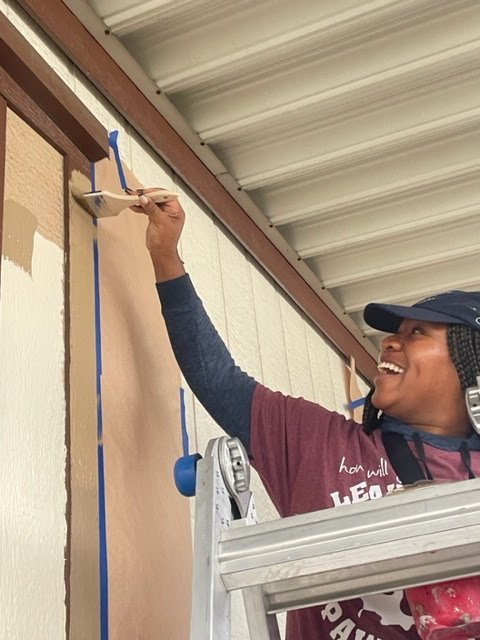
column 104, row 204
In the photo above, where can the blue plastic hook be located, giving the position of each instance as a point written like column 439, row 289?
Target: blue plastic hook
column 185, row 468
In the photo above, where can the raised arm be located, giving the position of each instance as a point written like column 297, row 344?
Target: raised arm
column 220, row 385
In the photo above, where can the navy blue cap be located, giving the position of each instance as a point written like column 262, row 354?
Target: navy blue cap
column 451, row 307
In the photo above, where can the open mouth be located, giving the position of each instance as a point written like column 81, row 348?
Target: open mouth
column 388, row 368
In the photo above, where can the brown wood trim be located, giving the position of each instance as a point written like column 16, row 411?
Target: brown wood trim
column 3, row 144
column 68, row 421
column 20, row 60
column 83, row 574
column 24, row 106
column 82, row 48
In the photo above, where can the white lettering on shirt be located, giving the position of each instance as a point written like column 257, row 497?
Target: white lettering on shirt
column 350, row 470
column 346, row 629
column 343, row 630
column 382, row 470
column 361, row 492
column 332, row 611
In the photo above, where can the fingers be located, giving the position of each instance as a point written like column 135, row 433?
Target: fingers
column 150, row 189
column 172, row 208
column 147, row 205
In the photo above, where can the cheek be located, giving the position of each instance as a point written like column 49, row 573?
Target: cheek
column 442, row 374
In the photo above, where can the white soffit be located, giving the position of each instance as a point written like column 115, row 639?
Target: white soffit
column 353, row 127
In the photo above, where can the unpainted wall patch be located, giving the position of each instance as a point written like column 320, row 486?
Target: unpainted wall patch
column 34, row 177
column 19, row 226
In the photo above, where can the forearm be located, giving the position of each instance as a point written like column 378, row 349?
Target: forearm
column 222, row 387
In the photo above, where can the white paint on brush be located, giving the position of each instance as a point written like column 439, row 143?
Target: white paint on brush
column 32, row 444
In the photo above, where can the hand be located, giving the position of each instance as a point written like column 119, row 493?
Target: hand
column 165, row 224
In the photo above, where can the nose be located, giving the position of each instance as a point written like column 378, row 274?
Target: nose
column 392, row 342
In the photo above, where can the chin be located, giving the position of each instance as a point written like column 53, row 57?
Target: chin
column 377, row 401
column 384, row 406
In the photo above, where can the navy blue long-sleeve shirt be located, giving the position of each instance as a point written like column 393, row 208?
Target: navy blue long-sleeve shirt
column 220, row 385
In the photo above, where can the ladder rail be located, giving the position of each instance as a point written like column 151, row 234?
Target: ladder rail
column 261, row 624
column 211, row 604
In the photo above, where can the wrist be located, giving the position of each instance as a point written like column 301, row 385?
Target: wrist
column 167, row 266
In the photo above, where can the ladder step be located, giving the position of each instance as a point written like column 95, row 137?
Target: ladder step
column 414, row 537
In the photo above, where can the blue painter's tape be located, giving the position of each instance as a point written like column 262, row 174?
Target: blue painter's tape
column 103, row 558
column 113, row 142
column 184, row 422
column 92, row 176
column 357, row 403
column 98, row 337
column 103, row 547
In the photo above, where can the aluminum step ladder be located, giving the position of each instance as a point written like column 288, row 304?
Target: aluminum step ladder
column 410, row 538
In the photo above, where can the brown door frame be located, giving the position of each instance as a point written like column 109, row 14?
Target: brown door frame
column 3, row 144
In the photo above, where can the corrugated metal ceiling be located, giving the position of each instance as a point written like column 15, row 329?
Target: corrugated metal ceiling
column 352, row 126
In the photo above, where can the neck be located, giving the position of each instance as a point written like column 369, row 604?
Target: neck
column 457, row 431
column 460, row 429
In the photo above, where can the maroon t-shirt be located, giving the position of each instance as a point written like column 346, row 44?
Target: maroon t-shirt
column 310, row 458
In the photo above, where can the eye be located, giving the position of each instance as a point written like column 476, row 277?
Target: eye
column 419, row 330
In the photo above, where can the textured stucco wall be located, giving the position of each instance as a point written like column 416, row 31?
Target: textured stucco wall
column 32, row 393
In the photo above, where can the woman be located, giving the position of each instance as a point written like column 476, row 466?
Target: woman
column 310, row 458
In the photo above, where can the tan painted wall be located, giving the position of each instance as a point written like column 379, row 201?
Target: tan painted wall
column 148, row 522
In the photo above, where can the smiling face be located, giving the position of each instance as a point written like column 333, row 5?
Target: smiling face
column 418, row 382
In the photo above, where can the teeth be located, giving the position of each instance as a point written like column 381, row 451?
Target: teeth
column 391, row 366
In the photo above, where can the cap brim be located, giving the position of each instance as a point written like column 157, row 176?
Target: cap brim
column 388, row 317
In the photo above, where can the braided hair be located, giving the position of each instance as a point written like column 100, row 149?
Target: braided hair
column 464, row 348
